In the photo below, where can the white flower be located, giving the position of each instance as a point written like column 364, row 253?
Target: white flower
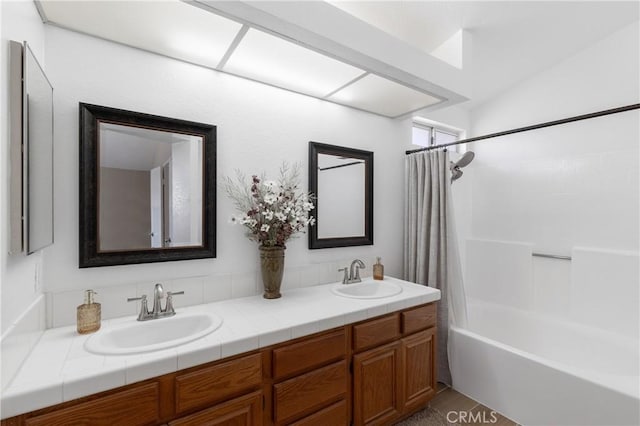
column 281, row 217
column 265, row 228
column 270, row 184
column 308, row 206
column 246, row 220
column 270, row 198
column 268, row 215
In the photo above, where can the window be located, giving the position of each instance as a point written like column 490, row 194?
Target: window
column 428, row 135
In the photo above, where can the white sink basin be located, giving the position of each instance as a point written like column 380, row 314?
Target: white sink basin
column 152, row 335
column 367, row 289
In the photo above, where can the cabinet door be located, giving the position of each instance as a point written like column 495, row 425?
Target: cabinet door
column 242, row 411
column 376, row 385
column 137, row 405
column 334, row 415
column 418, row 358
column 303, row 394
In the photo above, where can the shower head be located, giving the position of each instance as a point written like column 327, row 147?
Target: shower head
column 464, row 161
column 466, row 158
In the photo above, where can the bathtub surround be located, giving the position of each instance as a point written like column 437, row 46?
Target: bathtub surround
column 431, row 253
column 556, row 331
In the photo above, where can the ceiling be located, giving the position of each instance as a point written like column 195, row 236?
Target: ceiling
column 510, row 42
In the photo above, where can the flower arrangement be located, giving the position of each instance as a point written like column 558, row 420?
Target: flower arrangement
column 272, row 211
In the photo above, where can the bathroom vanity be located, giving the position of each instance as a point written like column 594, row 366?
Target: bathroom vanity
column 375, row 370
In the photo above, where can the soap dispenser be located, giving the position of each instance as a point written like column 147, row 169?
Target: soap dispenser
column 89, row 314
column 378, row 270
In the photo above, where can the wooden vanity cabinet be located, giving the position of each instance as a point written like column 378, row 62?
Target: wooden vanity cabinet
column 311, row 381
column 397, row 377
column 374, row 372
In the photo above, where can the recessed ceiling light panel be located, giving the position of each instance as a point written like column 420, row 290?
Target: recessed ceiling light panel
column 263, row 57
column 172, row 28
column 376, row 94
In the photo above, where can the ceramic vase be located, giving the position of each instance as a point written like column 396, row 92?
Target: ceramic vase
column 272, row 268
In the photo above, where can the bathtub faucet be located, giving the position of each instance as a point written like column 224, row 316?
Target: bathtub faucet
column 352, row 275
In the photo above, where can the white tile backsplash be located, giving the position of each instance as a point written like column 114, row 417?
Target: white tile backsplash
column 217, row 287
column 193, row 288
column 198, row 289
column 63, row 307
column 113, row 301
column 292, row 278
column 244, row 284
column 19, row 339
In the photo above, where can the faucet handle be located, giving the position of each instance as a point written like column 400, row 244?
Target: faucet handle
column 345, row 279
column 144, row 309
column 169, row 306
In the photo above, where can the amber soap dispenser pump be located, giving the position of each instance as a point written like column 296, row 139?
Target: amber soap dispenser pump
column 89, row 314
column 378, row 270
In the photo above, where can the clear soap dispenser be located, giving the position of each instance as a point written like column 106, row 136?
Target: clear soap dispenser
column 89, row 314
column 378, row 270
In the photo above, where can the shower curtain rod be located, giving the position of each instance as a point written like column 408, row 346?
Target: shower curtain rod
column 532, row 127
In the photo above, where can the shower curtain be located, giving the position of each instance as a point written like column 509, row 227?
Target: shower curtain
column 431, row 255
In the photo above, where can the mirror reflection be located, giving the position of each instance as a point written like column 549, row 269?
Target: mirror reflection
column 341, row 187
column 342, row 180
column 150, row 188
column 147, row 188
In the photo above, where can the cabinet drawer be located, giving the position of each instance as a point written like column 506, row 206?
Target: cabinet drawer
column 135, row 406
column 310, row 391
column 243, row 411
column 300, row 357
column 205, row 386
column 334, row 415
column 376, row 332
column 419, row 318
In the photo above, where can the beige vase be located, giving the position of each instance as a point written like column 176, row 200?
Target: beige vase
column 272, row 268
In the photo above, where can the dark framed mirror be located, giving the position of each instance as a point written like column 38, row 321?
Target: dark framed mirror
column 147, row 188
column 342, row 181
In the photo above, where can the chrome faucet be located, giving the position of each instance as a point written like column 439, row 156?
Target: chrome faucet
column 158, row 294
column 353, row 274
column 157, row 312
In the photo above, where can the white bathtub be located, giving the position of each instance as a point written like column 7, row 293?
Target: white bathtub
column 540, row 371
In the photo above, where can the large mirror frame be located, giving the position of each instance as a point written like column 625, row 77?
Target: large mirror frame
column 316, row 242
column 91, row 116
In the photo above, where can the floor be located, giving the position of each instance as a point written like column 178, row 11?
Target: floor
column 449, row 408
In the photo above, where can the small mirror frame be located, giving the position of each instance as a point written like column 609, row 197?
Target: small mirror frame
column 90, row 117
column 316, row 148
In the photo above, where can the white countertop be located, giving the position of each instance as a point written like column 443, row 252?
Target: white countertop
column 59, row 369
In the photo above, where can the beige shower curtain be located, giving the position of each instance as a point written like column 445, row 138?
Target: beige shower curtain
column 431, row 255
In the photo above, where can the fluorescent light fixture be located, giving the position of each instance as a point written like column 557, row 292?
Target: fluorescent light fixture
column 381, row 96
column 156, row 26
column 269, row 59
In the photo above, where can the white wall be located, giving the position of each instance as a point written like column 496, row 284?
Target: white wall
column 564, row 187
column 21, row 305
column 258, row 127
